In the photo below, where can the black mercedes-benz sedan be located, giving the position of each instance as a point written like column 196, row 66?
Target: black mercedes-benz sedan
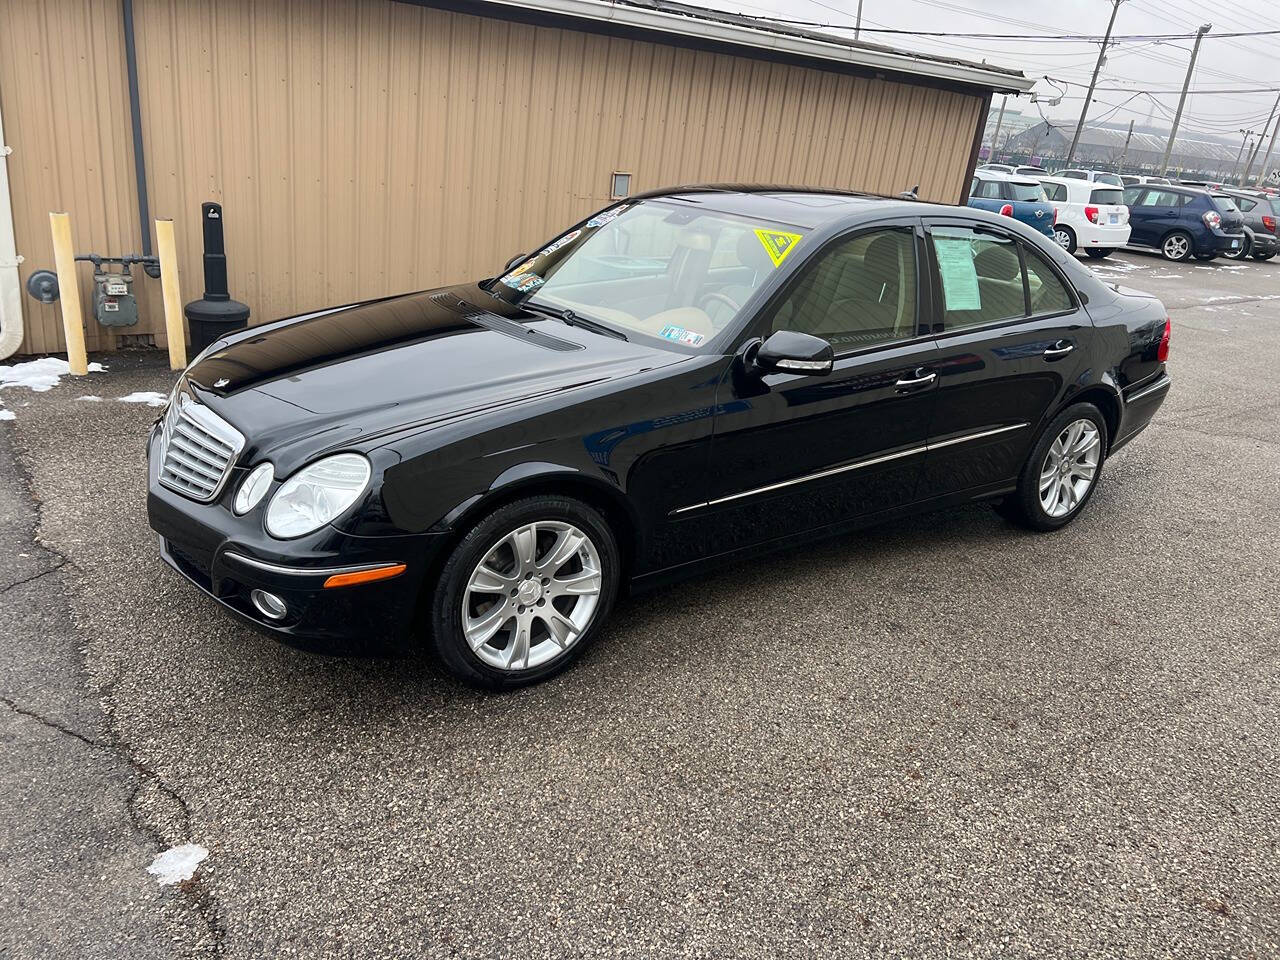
column 685, row 377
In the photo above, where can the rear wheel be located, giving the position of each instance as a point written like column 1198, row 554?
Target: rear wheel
column 1176, row 246
column 524, row 592
column 1097, row 253
column 1242, row 252
column 1065, row 238
column 1062, row 471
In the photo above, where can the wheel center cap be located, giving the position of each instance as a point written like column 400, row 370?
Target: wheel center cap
column 529, row 592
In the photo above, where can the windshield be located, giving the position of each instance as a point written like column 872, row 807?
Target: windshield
column 1106, row 195
column 1028, row 191
column 1110, row 178
column 658, row 268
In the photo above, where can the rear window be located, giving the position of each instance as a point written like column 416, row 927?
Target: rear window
column 1225, row 205
column 1110, row 178
column 1107, row 195
column 1027, row 191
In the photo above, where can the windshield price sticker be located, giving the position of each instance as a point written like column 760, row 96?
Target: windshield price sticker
column 600, row 219
column 681, row 335
column 959, row 273
column 777, row 244
column 567, row 239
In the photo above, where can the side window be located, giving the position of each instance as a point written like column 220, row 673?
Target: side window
column 973, row 187
column 980, row 277
column 1245, row 204
column 1057, row 192
column 856, row 293
column 1048, row 295
column 989, row 189
column 1133, row 196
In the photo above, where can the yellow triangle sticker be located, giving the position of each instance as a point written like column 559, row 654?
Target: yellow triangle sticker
column 777, row 244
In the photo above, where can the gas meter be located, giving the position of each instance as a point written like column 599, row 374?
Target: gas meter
column 114, row 304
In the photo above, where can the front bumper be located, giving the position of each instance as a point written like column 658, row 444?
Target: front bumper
column 227, row 557
column 1265, row 243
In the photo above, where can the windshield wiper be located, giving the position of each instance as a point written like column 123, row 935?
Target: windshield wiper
column 574, row 320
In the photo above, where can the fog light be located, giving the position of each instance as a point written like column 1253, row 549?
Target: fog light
column 269, row 605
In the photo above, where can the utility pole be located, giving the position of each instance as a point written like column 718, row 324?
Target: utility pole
column 995, row 138
column 1125, row 152
column 1262, row 171
column 1093, row 81
column 1244, row 180
column 1182, row 100
column 1246, row 134
column 857, row 24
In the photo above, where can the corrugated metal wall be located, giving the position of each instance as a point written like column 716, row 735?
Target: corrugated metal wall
column 366, row 148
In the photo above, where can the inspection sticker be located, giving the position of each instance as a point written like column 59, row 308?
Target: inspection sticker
column 600, row 219
column 563, row 241
column 777, row 244
column 523, row 282
column 681, row 335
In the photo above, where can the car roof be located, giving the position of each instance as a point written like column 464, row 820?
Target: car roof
column 806, row 207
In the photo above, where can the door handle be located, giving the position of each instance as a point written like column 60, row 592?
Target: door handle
column 1059, row 349
column 919, row 382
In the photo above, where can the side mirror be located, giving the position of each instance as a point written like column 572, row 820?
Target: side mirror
column 788, row 351
column 514, row 261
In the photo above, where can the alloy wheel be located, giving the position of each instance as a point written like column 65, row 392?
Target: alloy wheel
column 1176, row 247
column 1070, row 468
column 532, row 595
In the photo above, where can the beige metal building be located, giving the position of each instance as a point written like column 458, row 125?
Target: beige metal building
column 368, row 147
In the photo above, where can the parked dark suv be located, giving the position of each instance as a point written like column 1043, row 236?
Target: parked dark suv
column 1182, row 222
column 1260, row 214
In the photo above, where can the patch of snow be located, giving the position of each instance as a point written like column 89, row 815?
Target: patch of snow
column 90, row 397
column 7, row 414
column 39, row 375
column 1233, row 266
column 149, row 397
column 177, row 863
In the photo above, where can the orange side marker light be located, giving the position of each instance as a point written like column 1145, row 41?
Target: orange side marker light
column 364, row 576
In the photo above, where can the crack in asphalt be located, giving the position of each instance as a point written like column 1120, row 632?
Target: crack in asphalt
column 197, row 894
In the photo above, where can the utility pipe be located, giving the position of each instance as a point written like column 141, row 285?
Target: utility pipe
column 64, row 261
column 177, row 336
column 135, row 122
column 10, row 288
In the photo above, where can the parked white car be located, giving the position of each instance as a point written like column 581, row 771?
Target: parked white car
column 1091, row 216
column 1100, row 176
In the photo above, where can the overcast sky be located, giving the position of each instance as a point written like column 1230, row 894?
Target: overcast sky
column 1224, row 63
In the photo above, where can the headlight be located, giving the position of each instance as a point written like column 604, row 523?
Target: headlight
column 317, row 494
column 254, row 488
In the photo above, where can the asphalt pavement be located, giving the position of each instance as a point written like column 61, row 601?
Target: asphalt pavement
column 942, row 738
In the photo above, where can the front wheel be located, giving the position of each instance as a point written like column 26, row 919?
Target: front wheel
column 1062, row 471
column 1176, row 247
column 1097, row 253
column 524, row 592
column 1263, row 257
column 1206, row 256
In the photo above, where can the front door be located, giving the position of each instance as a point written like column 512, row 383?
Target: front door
column 794, row 452
column 1012, row 338
column 1152, row 212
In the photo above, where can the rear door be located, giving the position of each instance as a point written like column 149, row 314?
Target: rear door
column 1012, row 336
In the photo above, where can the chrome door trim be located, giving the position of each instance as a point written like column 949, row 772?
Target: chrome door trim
column 1161, row 384
column 281, row 570
column 856, row 465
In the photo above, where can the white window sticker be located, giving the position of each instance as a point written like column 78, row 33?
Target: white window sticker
column 959, row 274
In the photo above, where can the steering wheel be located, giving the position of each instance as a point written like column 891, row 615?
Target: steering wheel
column 722, row 298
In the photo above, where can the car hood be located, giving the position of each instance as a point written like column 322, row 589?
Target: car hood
column 364, row 370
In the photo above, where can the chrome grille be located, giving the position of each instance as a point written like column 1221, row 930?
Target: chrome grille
column 199, row 449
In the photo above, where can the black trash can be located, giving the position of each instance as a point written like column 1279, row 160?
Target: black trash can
column 216, row 314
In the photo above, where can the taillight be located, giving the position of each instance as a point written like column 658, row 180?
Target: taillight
column 1269, row 223
column 1212, row 220
column 1091, row 213
column 1162, row 352
column 1006, row 210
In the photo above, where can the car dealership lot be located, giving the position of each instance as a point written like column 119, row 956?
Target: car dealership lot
column 945, row 736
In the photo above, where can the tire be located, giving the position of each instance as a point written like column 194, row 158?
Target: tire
column 1263, row 257
column 465, row 597
column 1242, row 253
column 1176, row 246
column 1097, row 253
column 1026, row 506
column 1065, row 237
column 1206, row 257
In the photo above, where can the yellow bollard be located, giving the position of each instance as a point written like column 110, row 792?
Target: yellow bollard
column 168, row 252
column 64, row 261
